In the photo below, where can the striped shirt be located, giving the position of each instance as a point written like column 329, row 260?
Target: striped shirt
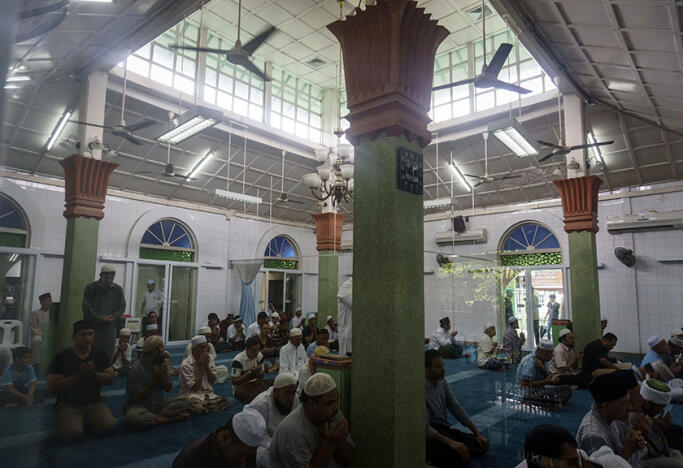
column 438, row 399
column 594, row 432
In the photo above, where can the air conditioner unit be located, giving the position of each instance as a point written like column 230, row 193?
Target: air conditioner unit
column 470, row 236
column 652, row 221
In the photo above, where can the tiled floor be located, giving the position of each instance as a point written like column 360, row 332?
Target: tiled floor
column 27, row 437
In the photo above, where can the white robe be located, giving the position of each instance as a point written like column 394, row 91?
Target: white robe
column 292, row 359
column 344, row 307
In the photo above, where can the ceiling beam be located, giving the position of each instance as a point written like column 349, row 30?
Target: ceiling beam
column 627, row 140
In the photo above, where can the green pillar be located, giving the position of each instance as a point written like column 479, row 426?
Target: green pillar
column 585, row 294
column 80, row 256
column 387, row 376
column 580, row 208
column 85, row 189
column 328, row 284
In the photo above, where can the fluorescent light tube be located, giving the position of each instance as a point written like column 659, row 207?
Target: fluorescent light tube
column 190, row 123
column 514, row 140
column 200, row 164
column 437, row 203
column 596, row 149
column 58, row 129
column 237, row 196
column 460, row 177
column 17, row 78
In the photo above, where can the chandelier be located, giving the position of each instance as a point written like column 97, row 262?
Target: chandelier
column 334, row 178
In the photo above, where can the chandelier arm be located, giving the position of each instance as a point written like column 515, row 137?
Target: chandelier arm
column 321, row 198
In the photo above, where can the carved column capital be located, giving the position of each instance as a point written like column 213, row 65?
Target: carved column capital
column 327, row 233
column 580, row 203
column 85, row 186
column 389, row 51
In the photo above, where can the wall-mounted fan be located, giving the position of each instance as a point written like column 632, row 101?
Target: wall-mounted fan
column 239, row 54
column 625, row 256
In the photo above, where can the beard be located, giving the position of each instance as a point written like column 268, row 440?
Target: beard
column 282, row 408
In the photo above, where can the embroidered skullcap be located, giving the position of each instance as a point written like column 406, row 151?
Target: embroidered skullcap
column 152, row 326
column 677, row 341
column 197, row 340
column 124, row 332
column 284, row 380
column 203, row 330
column 319, row 384
column 656, row 392
column 295, row 332
column 655, row 340
column 249, row 426
column 139, row 344
column 676, row 332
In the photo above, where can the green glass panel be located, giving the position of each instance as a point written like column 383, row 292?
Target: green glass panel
column 11, row 239
column 166, row 255
column 532, row 259
column 280, row 264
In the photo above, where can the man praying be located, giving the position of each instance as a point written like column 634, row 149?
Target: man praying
column 293, row 355
column 103, row 305
column 247, row 372
column 595, row 354
column 235, row 336
column 487, row 350
column 512, row 342
column 565, row 361
column 323, row 339
column 443, row 340
column 197, row 373
column 123, row 354
column 539, row 386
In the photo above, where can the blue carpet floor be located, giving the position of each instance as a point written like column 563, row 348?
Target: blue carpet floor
column 27, row 434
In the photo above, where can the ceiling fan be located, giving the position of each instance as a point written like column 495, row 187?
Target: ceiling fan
column 169, row 170
column 122, row 130
column 562, row 148
column 239, row 54
column 488, row 78
column 486, row 178
column 284, row 198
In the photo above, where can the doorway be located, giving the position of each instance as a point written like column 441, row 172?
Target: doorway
column 282, row 289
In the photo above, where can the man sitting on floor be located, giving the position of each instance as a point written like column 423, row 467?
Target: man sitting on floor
column 18, row 380
column 323, row 339
column 75, row 375
column 487, row 350
column 297, row 319
column 231, row 446
column 309, row 369
column 310, row 331
column 315, row 433
column 221, row 371
column 443, row 340
column 247, row 372
column 145, row 384
column 212, row 322
column 595, row 355
column 197, row 373
column 533, row 375
column 255, row 327
column 612, row 403
column 332, row 330
column 235, row 335
column 565, row 362
column 274, row 405
column 512, row 342
column 293, row 355
column 123, row 354
column 659, row 351
column 447, row 447
column 225, row 324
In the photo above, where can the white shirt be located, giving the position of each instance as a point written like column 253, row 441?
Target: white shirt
column 305, row 373
column 264, row 403
column 291, row 358
column 296, row 321
column 128, row 353
column 153, row 301
column 439, row 338
column 333, row 334
column 486, row 345
column 252, row 330
column 232, row 331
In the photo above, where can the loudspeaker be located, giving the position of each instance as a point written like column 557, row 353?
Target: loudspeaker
column 459, row 224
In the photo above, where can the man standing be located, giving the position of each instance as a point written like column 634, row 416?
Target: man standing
column 553, row 313
column 509, row 308
column 75, row 375
column 36, row 320
column 315, row 433
column 197, row 373
column 512, row 343
column 147, row 380
column 103, row 304
column 447, row 447
column 153, row 300
column 534, row 377
column 595, row 354
column 565, row 361
column 293, row 355
column 443, row 340
column 274, row 405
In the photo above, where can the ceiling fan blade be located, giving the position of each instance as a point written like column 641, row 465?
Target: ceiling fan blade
column 183, row 177
column 148, row 172
column 548, row 156
column 78, row 122
column 139, row 125
column 552, row 145
column 498, row 59
column 200, row 49
column 481, row 182
column 590, row 145
column 450, row 85
column 509, row 177
column 475, row 176
column 256, row 42
column 254, row 69
column 128, row 137
column 509, row 87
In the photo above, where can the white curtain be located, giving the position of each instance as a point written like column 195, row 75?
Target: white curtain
column 344, row 302
column 247, row 271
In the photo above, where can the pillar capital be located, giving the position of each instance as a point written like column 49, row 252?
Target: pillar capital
column 327, row 233
column 580, row 203
column 389, row 51
column 85, row 186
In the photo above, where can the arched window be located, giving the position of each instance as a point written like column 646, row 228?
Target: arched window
column 13, row 226
column 530, row 244
column 168, row 240
column 281, row 254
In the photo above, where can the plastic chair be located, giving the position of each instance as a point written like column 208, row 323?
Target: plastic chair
column 11, row 332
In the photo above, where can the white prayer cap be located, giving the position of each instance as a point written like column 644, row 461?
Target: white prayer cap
column 249, row 427
column 654, row 340
column 676, row 332
column 489, row 325
column 284, row 380
column 656, row 392
column 150, row 281
column 197, row 340
column 608, row 459
column 546, row 345
column 275, row 314
column 107, row 269
column 295, row 332
column 139, row 344
column 677, row 340
column 203, row 330
column 124, row 332
column 328, row 318
column 512, row 320
column 564, row 331
column 152, row 326
column 603, row 319
column 319, row 384
column 311, row 316
column 298, row 309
